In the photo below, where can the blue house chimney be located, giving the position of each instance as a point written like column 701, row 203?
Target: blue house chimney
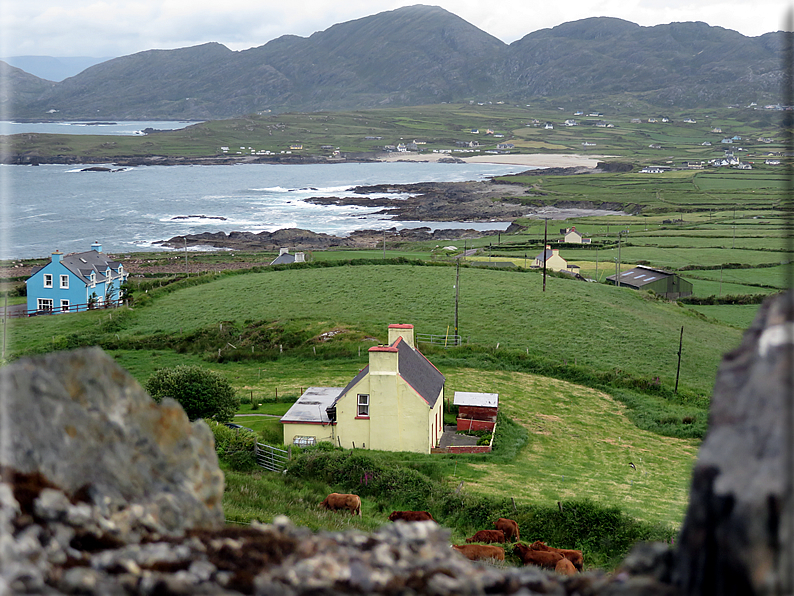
column 57, row 256
column 96, row 246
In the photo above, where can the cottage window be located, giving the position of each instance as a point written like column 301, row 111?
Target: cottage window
column 65, row 305
column 47, row 280
column 363, row 404
column 64, row 282
column 44, row 304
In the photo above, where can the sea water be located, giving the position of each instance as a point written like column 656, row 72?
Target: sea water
column 51, row 207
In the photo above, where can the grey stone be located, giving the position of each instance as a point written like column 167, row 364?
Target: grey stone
column 87, row 426
column 734, row 539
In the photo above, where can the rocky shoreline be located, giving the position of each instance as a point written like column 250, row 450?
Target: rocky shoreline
column 473, row 201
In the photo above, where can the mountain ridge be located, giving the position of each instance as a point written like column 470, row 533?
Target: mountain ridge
column 411, row 56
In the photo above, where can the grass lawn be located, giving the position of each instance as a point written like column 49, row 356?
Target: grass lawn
column 580, row 446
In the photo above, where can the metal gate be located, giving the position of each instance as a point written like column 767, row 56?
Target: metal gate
column 446, row 340
column 271, row 458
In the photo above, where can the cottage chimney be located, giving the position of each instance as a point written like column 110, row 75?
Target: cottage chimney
column 405, row 331
column 300, row 257
column 383, row 360
column 57, row 256
column 283, row 251
column 96, row 246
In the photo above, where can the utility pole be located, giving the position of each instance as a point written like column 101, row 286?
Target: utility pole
column 384, row 244
column 617, row 265
column 5, row 318
column 678, row 371
column 186, row 271
column 545, row 239
column 457, row 299
column 734, row 227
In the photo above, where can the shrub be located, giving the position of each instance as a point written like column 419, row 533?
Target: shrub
column 202, row 393
column 236, row 447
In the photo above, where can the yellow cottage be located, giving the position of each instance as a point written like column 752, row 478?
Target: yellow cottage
column 554, row 262
column 394, row 404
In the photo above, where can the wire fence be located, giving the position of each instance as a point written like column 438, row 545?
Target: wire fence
column 446, row 340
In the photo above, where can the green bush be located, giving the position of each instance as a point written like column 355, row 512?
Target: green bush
column 234, row 446
column 202, row 393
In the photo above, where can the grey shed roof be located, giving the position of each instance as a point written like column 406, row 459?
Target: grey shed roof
column 482, row 400
column 311, row 406
column 283, row 259
column 640, row 276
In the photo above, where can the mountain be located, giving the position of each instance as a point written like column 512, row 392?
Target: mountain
column 51, row 68
column 19, row 88
column 419, row 55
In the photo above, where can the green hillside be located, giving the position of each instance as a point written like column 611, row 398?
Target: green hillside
column 593, row 325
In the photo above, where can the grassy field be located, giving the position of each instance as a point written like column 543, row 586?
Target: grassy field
column 593, row 324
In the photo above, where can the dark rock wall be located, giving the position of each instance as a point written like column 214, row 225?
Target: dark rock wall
column 736, row 536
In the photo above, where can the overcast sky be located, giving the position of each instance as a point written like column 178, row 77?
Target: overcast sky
column 110, row 28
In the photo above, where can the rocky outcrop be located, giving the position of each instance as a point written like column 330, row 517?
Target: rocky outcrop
column 85, row 425
column 737, row 535
column 299, row 239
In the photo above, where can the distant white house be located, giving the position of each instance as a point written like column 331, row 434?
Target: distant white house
column 284, row 258
column 574, row 237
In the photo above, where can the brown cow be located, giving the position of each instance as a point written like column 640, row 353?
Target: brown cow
column 337, row 501
column 480, row 552
column 545, row 559
column 574, row 556
column 509, row 527
column 411, row 516
column 564, row 566
column 487, row 536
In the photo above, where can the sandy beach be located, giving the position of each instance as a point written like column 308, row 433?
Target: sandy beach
column 542, row 160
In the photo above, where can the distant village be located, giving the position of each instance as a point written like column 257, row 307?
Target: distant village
column 734, row 155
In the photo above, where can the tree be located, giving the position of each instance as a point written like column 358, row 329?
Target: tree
column 202, row 393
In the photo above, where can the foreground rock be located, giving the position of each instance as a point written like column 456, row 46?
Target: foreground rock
column 737, row 536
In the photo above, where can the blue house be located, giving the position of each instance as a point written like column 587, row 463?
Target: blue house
column 73, row 281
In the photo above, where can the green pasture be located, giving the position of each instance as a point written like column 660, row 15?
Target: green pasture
column 580, row 446
column 740, row 316
column 592, row 324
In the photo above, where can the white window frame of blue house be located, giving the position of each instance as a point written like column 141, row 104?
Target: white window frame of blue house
column 44, row 304
column 64, row 305
column 64, row 282
column 48, row 280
